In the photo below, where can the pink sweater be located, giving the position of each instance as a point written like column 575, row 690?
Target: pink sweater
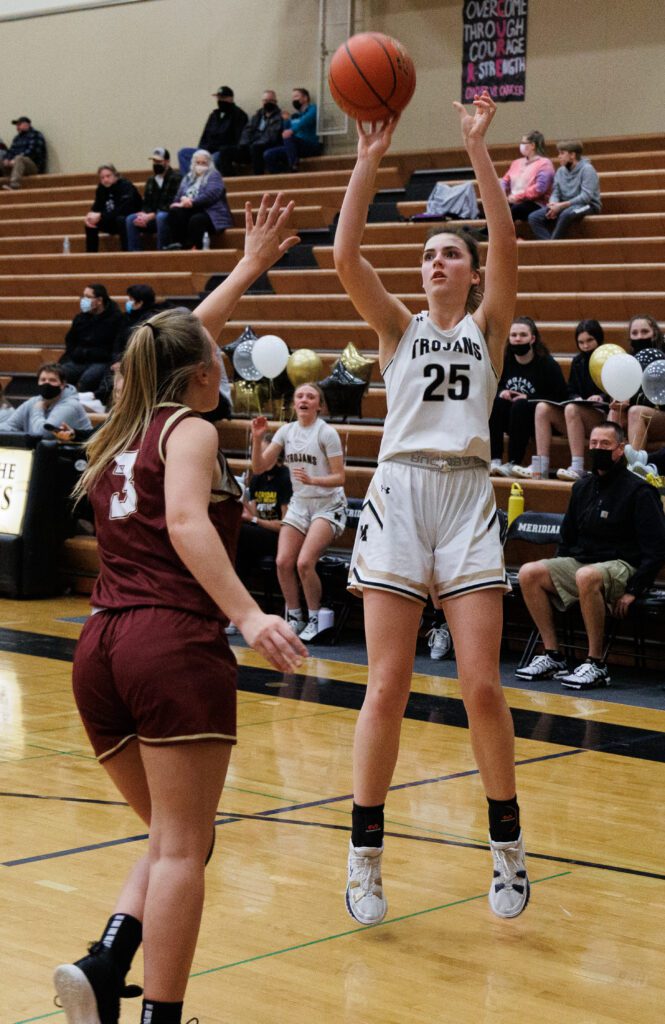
column 529, row 180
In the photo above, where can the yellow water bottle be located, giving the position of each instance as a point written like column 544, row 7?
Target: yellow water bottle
column 515, row 503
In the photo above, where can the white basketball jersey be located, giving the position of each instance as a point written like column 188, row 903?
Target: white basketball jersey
column 310, row 448
column 440, row 386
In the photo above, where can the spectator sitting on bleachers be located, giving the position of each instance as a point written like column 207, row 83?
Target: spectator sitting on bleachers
column 612, row 546
column 90, row 339
column 115, row 199
column 140, row 304
column 26, row 155
column 639, row 417
column 576, row 193
column 200, row 205
column 529, row 373
column 221, row 134
column 317, row 511
column 3, row 150
column 573, row 418
column 528, row 181
column 262, row 515
column 160, row 191
column 299, row 136
column 55, row 408
column 263, row 131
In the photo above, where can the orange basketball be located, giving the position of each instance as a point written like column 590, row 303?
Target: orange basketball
column 371, row 77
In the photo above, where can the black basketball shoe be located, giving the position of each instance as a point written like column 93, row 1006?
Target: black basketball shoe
column 90, row 990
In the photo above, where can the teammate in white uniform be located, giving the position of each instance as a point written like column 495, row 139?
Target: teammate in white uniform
column 430, row 516
column 317, row 511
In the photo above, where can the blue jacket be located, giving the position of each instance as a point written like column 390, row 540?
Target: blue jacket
column 211, row 197
column 303, row 124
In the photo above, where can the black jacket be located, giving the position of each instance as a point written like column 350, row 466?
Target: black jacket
column 91, row 337
column 118, row 199
column 223, row 128
column 541, row 378
column 617, row 515
column 580, row 382
column 268, row 135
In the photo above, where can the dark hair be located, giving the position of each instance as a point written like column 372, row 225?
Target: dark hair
column 475, row 296
column 53, row 368
column 658, row 341
column 540, row 349
column 571, row 146
column 107, row 167
column 100, row 292
column 538, row 140
column 299, row 88
column 619, row 432
column 591, row 327
column 142, row 293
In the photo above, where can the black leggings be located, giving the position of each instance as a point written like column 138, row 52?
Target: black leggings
column 188, row 226
column 515, row 419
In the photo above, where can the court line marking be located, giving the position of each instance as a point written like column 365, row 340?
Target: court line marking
column 326, row 938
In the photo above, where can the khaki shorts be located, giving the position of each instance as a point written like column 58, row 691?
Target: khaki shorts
column 302, row 512
column 615, row 574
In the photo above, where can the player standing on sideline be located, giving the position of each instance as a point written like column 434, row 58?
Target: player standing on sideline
column 430, row 515
column 154, row 678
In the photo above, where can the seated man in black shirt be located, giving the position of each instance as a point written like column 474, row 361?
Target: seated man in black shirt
column 221, row 133
column 115, row 199
column 612, row 546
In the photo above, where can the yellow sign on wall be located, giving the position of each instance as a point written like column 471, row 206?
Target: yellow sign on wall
column 15, row 472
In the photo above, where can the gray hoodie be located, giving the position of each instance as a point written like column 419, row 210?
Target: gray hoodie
column 578, row 186
column 31, row 416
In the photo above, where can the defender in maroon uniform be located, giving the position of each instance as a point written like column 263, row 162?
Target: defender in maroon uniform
column 154, row 678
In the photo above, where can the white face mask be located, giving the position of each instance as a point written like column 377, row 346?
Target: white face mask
column 524, row 148
column 200, row 168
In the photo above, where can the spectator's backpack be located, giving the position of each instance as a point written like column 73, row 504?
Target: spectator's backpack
column 450, row 202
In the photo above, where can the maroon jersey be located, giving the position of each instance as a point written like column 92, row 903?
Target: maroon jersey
column 139, row 565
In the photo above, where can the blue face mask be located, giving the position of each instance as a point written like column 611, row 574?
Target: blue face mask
column 129, row 306
column 85, row 304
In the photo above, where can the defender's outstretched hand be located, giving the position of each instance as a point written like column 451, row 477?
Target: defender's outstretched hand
column 474, row 126
column 264, row 240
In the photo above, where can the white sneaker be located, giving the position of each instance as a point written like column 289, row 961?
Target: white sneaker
column 231, row 629
column 570, row 474
column 525, row 472
column 296, row 623
column 440, row 642
column 311, row 630
column 586, row 676
column 495, row 467
column 506, row 469
column 510, row 890
column 364, row 890
column 543, row 666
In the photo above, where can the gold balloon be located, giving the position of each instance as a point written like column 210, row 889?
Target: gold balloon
column 246, row 396
column 304, row 367
column 599, row 357
column 356, row 363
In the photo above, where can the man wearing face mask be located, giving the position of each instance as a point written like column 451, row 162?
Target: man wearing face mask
column 159, row 192
column 576, row 193
column 612, row 546
column 263, row 131
column 90, row 339
column 299, row 136
column 54, row 409
column 221, row 133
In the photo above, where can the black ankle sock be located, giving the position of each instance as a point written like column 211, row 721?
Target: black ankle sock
column 596, row 661
column 504, row 820
column 154, row 1012
column 367, row 825
column 437, row 621
column 122, row 937
column 556, row 653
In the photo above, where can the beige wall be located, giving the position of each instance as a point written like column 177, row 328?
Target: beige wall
column 109, row 84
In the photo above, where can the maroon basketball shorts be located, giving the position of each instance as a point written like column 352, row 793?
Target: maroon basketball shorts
column 157, row 674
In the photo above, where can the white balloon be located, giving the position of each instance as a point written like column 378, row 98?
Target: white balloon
column 270, row 355
column 621, row 377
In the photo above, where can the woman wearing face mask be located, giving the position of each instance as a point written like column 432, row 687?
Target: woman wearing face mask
column 528, row 181
column 54, row 408
column 644, row 421
column 90, row 339
column 573, row 419
column 200, row 205
column 529, row 372
column 299, row 136
column 316, row 514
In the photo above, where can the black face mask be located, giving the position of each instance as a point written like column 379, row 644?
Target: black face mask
column 158, row 168
column 601, row 460
column 297, row 104
column 270, row 108
column 521, row 350
column 48, row 391
column 640, row 344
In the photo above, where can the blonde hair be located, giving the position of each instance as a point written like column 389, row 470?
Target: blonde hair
column 157, row 366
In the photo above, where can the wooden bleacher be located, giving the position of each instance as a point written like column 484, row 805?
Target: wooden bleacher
column 610, row 270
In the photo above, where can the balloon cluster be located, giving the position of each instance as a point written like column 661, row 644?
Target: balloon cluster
column 621, row 375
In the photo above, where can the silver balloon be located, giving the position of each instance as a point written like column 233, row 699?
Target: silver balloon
column 243, row 362
column 653, row 382
column 648, row 355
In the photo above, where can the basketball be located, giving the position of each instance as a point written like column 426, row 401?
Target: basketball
column 371, row 77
